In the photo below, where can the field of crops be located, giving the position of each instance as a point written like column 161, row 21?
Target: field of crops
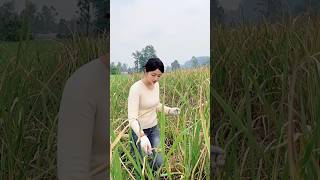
column 185, row 141
column 32, row 77
column 266, row 95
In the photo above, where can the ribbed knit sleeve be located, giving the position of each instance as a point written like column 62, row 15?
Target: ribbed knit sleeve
column 165, row 108
column 133, row 109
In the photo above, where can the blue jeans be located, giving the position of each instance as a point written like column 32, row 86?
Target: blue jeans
column 153, row 135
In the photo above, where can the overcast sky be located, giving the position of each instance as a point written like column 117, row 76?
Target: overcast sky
column 177, row 29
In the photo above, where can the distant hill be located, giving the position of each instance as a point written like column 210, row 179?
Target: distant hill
column 201, row 61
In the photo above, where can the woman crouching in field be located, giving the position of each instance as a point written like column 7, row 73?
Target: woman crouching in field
column 143, row 103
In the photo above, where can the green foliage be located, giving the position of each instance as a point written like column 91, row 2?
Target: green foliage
column 33, row 20
column 102, row 14
column 141, row 57
column 194, row 62
column 115, row 69
column 45, row 21
column 10, row 23
column 184, row 140
column 266, row 99
column 14, row 27
column 94, row 16
column 175, row 65
column 85, row 15
column 33, row 74
column 216, row 12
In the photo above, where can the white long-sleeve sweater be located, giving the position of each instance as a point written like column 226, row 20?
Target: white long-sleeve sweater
column 143, row 103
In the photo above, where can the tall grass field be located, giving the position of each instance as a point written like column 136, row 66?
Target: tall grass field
column 185, row 140
column 32, row 77
column 266, row 95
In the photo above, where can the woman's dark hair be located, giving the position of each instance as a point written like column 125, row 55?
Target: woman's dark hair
column 153, row 64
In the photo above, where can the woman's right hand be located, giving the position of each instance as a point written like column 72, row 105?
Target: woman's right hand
column 174, row 111
column 145, row 145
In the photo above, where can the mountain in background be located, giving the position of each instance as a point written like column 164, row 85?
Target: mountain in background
column 201, row 61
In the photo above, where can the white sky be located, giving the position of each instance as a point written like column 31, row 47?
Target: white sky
column 178, row 29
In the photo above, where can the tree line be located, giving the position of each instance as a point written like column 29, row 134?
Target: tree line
column 140, row 59
column 92, row 18
column 255, row 11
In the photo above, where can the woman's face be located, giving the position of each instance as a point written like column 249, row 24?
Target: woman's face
column 153, row 76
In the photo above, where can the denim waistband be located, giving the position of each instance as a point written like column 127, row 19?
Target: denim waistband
column 150, row 129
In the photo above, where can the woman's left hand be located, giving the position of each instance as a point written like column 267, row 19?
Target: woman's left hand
column 174, row 111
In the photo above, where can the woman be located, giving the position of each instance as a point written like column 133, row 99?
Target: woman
column 143, row 103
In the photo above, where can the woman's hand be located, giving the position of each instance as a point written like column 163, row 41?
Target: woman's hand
column 174, row 111
column 145, row 145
